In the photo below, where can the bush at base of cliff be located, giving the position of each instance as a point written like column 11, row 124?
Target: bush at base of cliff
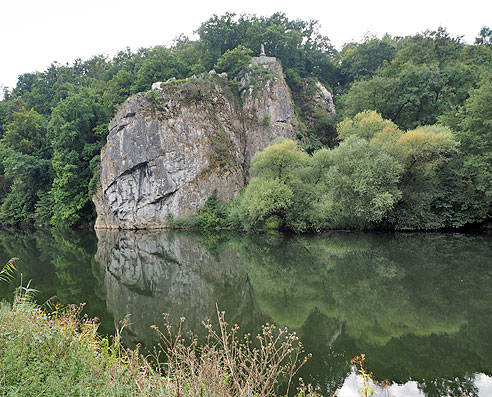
column 277, row 186
column 214, row 214
column 377, row 177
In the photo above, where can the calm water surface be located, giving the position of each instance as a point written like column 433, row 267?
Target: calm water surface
column 418, row 305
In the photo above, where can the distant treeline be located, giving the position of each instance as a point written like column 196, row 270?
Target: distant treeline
column 54, row 123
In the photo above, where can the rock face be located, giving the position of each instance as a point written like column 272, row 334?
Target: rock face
column 267, row 100
column 168, row 150
column 324, row 98
column 317, row 111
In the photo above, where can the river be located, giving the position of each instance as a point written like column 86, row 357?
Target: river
column 419, row 306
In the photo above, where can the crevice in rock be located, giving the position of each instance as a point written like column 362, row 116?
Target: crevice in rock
column 159, row 199
column 144, row 172
column 164, row 197
column 121, row 126
column 143, row 164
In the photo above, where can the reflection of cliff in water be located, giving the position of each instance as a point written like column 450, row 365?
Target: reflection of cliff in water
column 419, row 305
column 150, row 273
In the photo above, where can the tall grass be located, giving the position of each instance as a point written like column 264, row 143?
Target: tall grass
column 227, row 365
column 58, row 353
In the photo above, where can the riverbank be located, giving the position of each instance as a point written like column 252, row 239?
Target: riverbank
column 54, row 352
column 58, row 355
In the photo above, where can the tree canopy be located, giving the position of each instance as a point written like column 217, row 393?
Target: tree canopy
column 388, row 91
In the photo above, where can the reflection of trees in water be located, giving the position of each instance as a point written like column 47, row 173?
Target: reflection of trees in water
column 328, row 367
column 58, row 262
column 457, row 387
column 27, row 244
column 414, row 303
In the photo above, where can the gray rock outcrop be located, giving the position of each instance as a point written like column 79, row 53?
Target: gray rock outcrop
column 168, row 150
column 324, row 98
column 267, row 100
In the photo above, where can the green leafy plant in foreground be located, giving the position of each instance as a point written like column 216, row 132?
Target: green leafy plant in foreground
column 57, row 354
column 7, row 272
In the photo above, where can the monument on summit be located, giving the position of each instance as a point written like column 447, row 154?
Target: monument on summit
column 263, row 59
column 262, row 52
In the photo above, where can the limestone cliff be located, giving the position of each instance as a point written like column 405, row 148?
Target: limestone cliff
column 168, row 150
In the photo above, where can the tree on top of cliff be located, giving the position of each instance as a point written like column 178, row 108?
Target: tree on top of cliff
column 233, row 61
column 296, row 44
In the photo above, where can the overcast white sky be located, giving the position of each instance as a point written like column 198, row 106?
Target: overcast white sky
column 34, row 33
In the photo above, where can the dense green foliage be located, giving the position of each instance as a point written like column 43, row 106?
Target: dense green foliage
column 419, row 78
column 233, row 61
column 54, row 123
column 378, row 176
